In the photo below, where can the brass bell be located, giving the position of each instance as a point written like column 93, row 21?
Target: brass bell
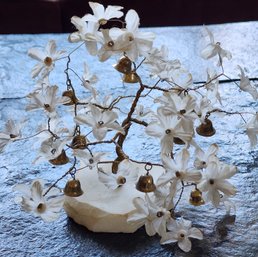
column 178, row 141
column 206, row 129
column 146, row 184
column 79, row 142
column 131, row 77
column 124, row 65
column 60, row 159
column 73, row 188
column 196, row 198
column 70, row 94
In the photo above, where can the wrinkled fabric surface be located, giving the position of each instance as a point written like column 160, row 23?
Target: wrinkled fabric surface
column 23, row 235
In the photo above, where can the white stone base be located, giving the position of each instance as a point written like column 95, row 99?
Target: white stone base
column 101, row 209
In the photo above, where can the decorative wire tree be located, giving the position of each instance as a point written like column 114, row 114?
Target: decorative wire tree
column 123, row 194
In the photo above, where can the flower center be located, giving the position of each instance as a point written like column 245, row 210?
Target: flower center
column 160, row 214
column 211, row 181
column 100, row 123
column 111, row 43
column 178, row 174
column 102, row 21
column 182, row 236
column 48, row 61
column 41, row 207
column 47, row 106
column 168, row 131
column 121, row 180
column 182, row 111
column 131, row 38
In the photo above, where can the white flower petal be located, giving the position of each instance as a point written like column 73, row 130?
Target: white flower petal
column 195, row 233
column 36, row 54
column 150, row 230
column 225, row 187
column 185, row 245
column 168, row 238
column 99, row 133
column 208, row 52
column 36, row 191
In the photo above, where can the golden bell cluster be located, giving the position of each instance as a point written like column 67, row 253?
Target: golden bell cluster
column 146, row 184
column 131, row 77
column 71, row 95
column 79, row 142
column 206, row 129
column 73, row 188
column 196, row 198
column 124, row 66
column 61, row 159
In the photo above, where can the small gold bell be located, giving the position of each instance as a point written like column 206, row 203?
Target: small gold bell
column 146, row 184
column 79, row 142
column 206, row 129
column 70, row 94
column 60, row 159
column 196, row 198
column 131, row 77
column 178, row 141
column 73, row 188
column 124, row 65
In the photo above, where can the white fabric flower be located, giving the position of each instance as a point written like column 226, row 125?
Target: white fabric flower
column 126, row 174
column 11, row 133
column 180, row 231
column 180, row 106
column 46, row 99
column 245, row 85
column 100, row 121
column 181, row 78
column 88, row 80
column 203, row 158
column 57, row 128
column 203, row 106
column 142, row 111
column 33, row 200
column 164, row 195
column 46, row 59
column 177, row 170
column 102, row 15
column 213, row 49
column 50, row 149
column 87, row 32
column 114, row 41
column 212, row 86
column 149, row 214
column 141, row 42
column 214, row 181
column 157, row 55
column 167, row 127
column 252, row 130
column 88, row 160
column 159, row 64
